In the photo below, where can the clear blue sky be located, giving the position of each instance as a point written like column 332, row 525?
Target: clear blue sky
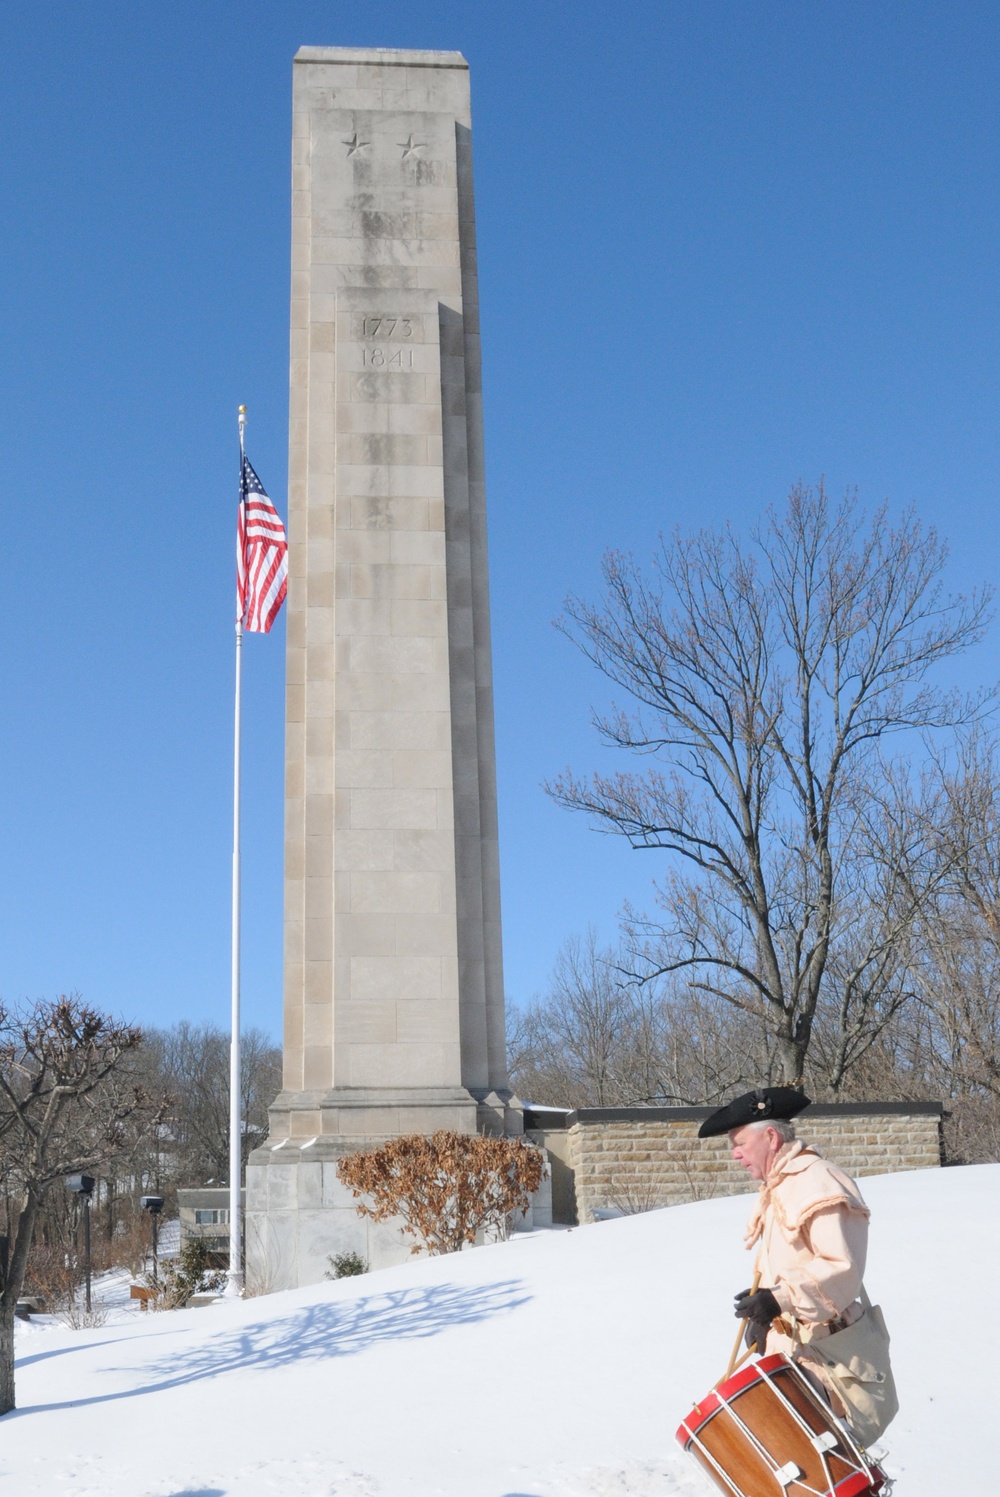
column 723, row 246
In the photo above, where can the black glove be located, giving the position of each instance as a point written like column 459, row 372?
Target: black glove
column 755, row 1336
column 761, row 1307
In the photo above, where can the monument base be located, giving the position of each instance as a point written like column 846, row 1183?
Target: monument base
column 299, row 1215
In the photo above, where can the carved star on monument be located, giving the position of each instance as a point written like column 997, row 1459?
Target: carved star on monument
column 354, row 144
column 410, row 145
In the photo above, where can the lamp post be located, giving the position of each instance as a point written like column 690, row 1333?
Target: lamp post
column 83, row 1186
column 154, row 1205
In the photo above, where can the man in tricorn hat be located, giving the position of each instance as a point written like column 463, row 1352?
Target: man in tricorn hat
column 811, row 1224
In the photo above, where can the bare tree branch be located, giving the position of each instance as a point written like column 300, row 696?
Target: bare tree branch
column 765, row 682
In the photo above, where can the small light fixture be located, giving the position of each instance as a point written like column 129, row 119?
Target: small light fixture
column 154, row 1205
column 83, row 1186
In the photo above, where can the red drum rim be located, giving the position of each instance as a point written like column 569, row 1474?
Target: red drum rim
column 726, row 1390
column 855, row 1485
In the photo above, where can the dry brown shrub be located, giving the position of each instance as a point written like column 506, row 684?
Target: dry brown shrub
column 53, row 1275
column 446, row 1188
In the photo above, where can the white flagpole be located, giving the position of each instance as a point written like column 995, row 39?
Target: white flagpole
column 234, row 1277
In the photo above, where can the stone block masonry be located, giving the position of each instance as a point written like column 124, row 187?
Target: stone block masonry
column 393, row 984
column 633, row 1159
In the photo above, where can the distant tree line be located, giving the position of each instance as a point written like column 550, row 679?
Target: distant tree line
column 824, row 810
column 178, row 1137
column 85, row 1094
column 189, row 1063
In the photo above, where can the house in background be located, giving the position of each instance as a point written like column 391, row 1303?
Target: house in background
column 204, row 1216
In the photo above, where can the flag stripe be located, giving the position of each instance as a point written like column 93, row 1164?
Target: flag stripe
column 261, row 556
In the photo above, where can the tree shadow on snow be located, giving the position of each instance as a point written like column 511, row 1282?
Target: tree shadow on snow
column 317, row 1333
column 65, row 1351
column 200, row 1492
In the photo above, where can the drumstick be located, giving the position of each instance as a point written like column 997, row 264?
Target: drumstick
column 739, row 1334
column 744, row 1358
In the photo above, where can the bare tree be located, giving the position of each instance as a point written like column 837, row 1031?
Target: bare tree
column 585, row 1041
column 710, row 1049
column 186, row 1068
column 766, row 681
column 191, row 1063
column 589, row 1020
column 894, row 867
column 961, row 934
column 597, row 1038
column 63, row 1110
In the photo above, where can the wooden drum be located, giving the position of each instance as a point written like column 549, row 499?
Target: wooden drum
column 764, row 1432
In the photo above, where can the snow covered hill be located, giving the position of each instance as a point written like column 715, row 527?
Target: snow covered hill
column 557, row 1365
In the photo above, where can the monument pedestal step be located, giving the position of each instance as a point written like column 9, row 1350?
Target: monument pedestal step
column 300, row 1215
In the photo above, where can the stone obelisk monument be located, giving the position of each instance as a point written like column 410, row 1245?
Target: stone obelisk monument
column 393, row 979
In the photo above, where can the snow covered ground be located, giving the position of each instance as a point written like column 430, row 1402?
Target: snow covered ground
column 556, row 1365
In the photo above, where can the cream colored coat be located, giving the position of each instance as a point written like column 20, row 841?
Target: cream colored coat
column 811, row 1224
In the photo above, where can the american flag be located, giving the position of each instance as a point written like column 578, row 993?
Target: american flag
column 261, row 556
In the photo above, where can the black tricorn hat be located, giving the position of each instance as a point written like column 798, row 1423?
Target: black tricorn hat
column 778, row 1102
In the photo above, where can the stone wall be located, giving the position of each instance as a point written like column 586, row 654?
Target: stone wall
column 610, row 1160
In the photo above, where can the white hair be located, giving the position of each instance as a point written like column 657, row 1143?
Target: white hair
column 782, row 1127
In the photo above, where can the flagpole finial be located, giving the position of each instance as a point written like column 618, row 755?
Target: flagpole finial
column 241, row 419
